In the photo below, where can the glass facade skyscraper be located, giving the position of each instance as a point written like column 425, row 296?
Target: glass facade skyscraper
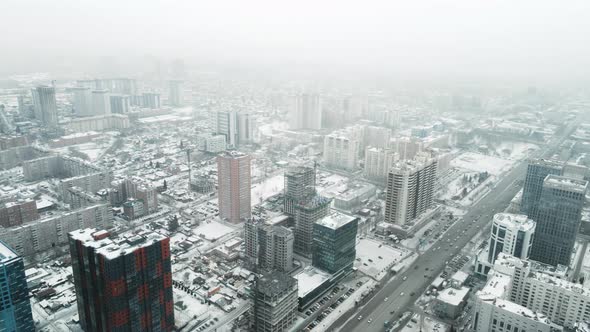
column 558, row 217
column 334, row 242
column 15, row 307
column 536, row 173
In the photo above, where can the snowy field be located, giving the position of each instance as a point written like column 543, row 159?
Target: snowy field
column 455, row 187
column 186, row 307
column 267, row 188
column 213, row 230
column 368, row 253
column 481, row 163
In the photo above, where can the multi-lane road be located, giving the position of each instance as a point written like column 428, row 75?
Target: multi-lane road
column 398, row 294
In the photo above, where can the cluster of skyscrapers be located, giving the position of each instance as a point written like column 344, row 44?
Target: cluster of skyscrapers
column 529, row 254
column 325, row 236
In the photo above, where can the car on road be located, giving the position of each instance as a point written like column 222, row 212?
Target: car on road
column 360, row 317
column 370, row 320
column 385, row 300
column 392, row 312
column 405, row 278
column 401, row 294
column 412, row 294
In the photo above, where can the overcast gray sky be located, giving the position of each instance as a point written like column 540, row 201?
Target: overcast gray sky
column 473, row 36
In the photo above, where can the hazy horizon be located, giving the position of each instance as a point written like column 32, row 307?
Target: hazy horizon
column 500, row 39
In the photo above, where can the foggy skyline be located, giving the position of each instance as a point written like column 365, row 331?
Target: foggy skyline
column 462, row 38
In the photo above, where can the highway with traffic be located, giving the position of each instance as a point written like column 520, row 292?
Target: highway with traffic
column 398, row 294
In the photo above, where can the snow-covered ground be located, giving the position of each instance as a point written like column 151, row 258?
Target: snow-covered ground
column 212, row 230
column 186, row 307
column 267, row 188
column 375, row 259
column 481, row 163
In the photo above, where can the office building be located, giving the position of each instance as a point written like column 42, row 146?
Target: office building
column 268, row 247
column 537, row 171
column 558, row 215
column 275, row 302
column 334, row 242
column 410, row 189
column 101, row 102
column 511, row 234
column 299, row 186
column 82, row 101
column 378, row 161
column 341, row 152
column 15, row 307
column 234, row 186
column 45, row 106
column 122, row 283
column 176, row 93
column 306, row 214
column 306, row 112
column 120, row 104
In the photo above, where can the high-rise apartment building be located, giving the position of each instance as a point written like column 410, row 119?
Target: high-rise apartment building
column 275, row 302
column 378, row 161
column 299, row 187
column 406, row 147
column 237, row 127
column 45, row 106
column 511, row 234
column 558, row 215
column 410, row 189
column 101, row 102
column 246, row 126
column 15, row 307
column 176, row 93
column 306, row 214
column 334, row 242
column 18, row 212
column 234, row 186
column 268, row 247
column 82, row 101
column 341, row 151
column 150, row 100
column 120, row 104
column 537, row 171
column 122, row 283
column 306, row 112
column 520, row 295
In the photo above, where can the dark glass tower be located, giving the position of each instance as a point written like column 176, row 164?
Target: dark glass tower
column 334, row 242
column 558, row 217
column 536, row 173
column 15, row 307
